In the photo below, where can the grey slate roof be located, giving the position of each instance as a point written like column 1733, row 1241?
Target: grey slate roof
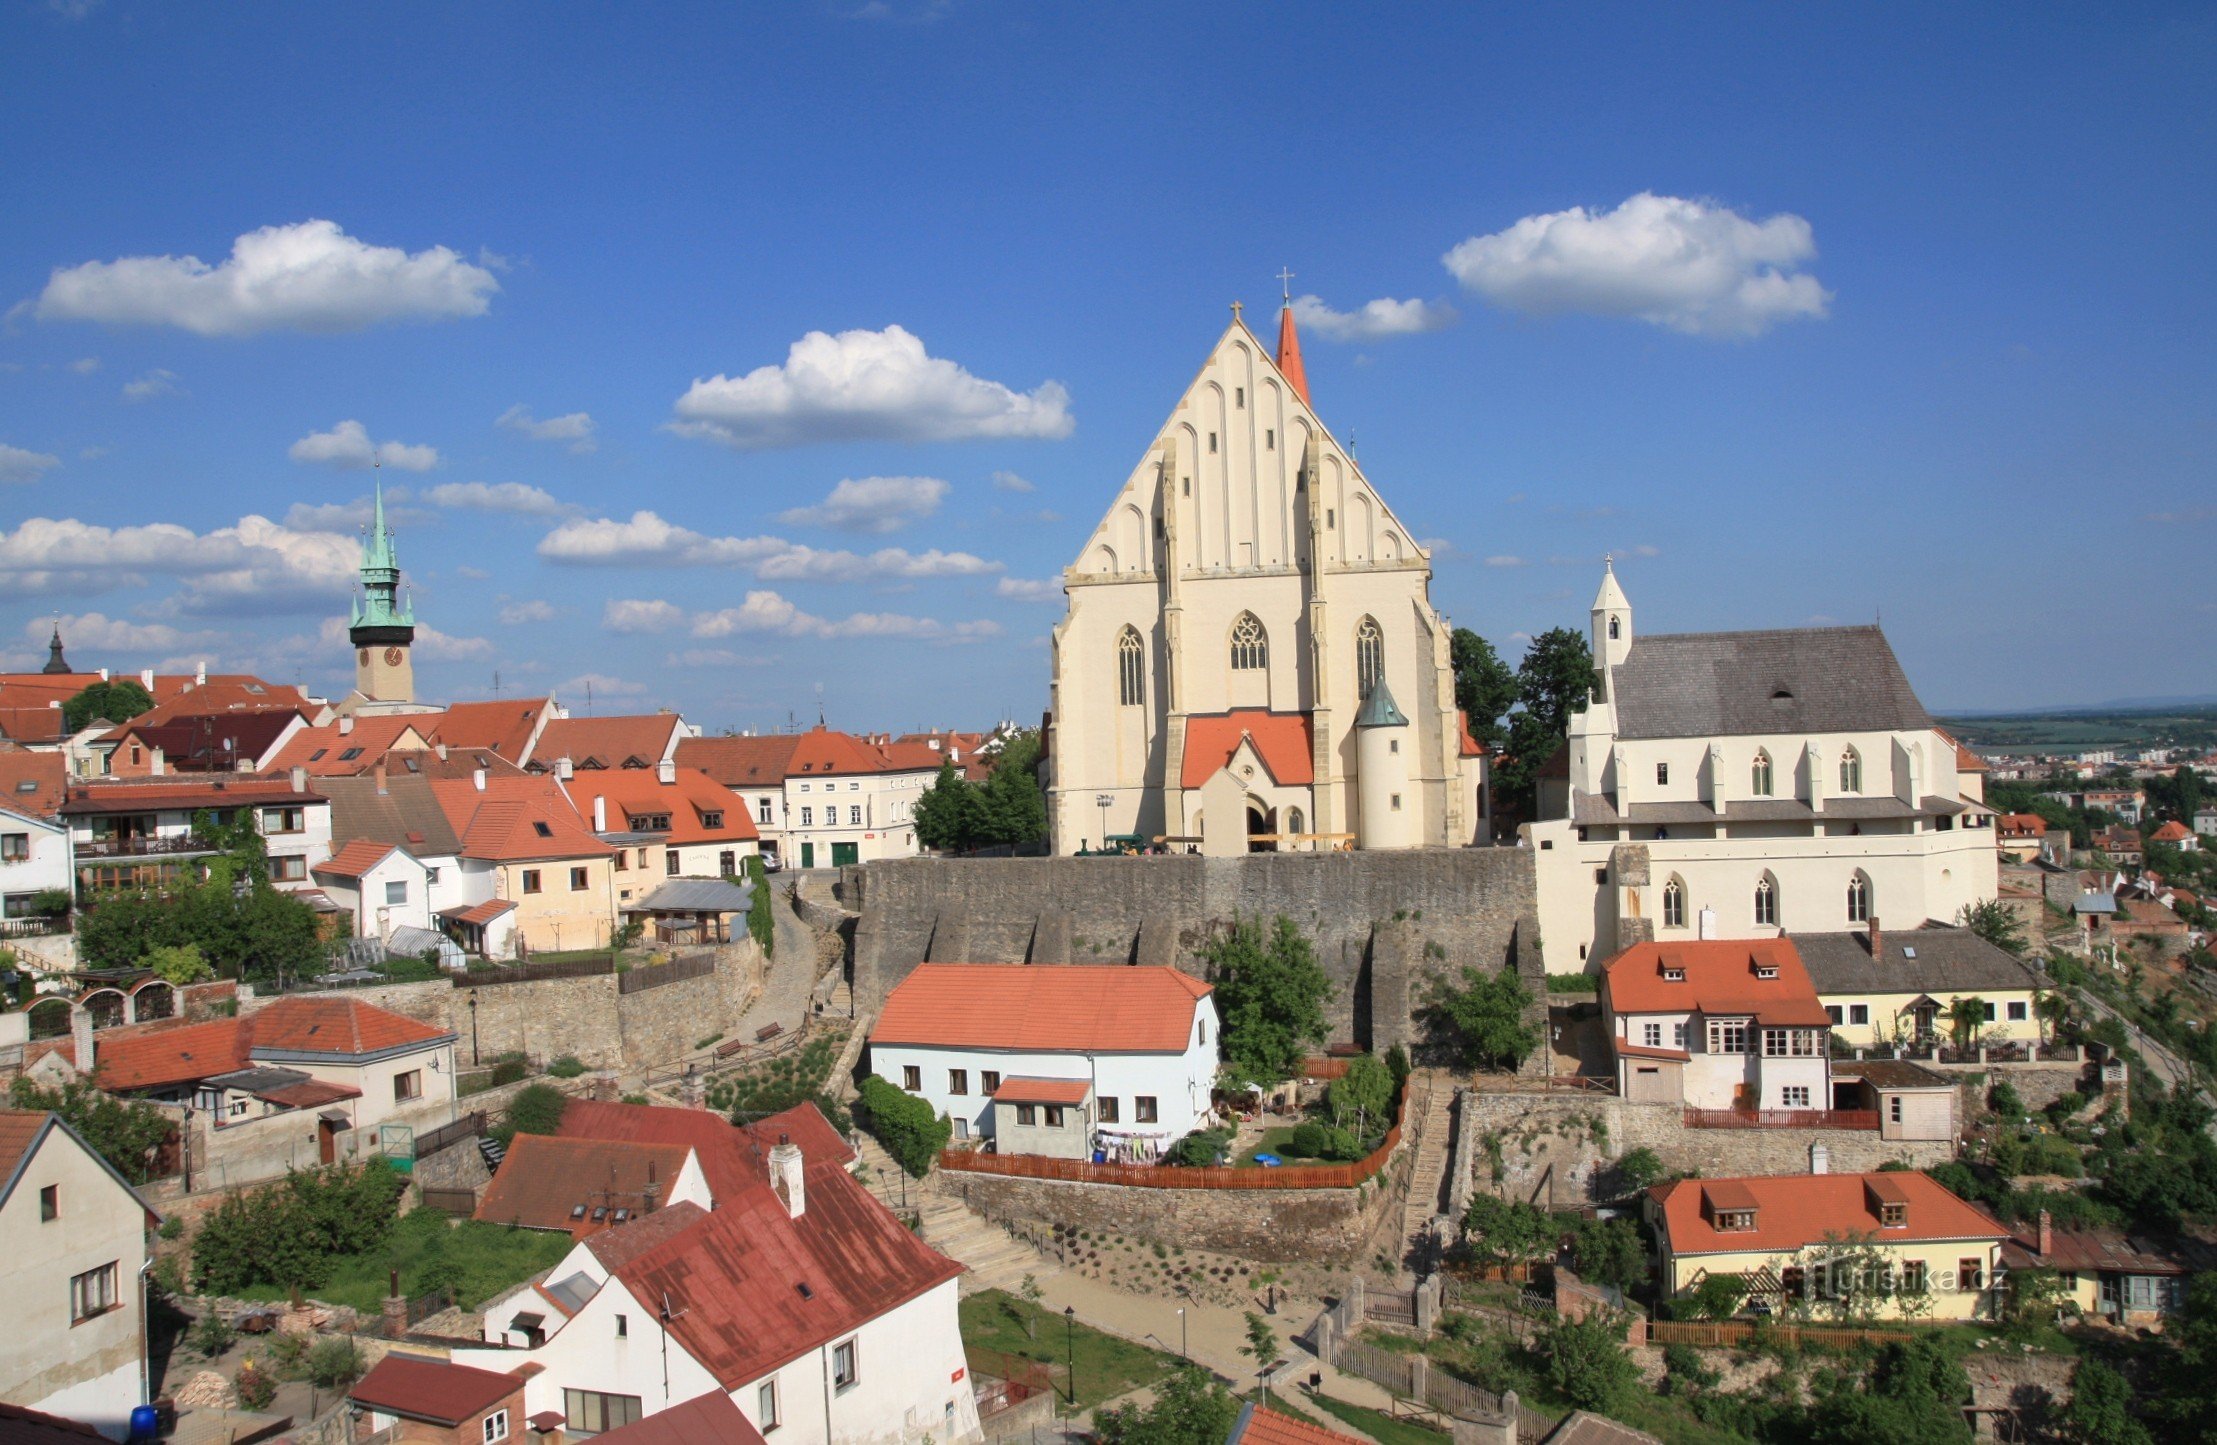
column 1720, row 684
column 696, row 895
column 1949, row 961
column 406, row 815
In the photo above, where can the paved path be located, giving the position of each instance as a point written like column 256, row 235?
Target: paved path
column 791, row 977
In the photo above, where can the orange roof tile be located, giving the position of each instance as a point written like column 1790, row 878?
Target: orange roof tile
column 223, row 790
column 1795, row 1210
column 434, row 1390
column 2170, row 832
column 1042, row 1091
column 1045, row 1007
column 1282, row 738
column 335, row 1026
column 516, row 818
column 503, row 726
column 355, row 859
column 1260, row 1425
column 135, row 1057
column 689, row 799
column 605, row 742
column 19, row 1130
column 32, row 782
column 1720, row 978
column 709, row 1419
column 545, row 1177
column 330, row 752
column 736, row 762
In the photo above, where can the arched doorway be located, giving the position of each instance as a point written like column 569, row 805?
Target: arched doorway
column 1262, row 829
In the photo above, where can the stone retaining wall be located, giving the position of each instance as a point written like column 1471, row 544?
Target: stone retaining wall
column 1312, row 1225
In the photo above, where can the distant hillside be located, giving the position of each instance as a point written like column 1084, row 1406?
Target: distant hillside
column 2188, row 725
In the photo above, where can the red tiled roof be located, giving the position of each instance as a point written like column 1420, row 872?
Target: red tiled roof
column 605, row 742
column 820, row 751
column 44, row 772
column 959, row 747
column 433, row 1390
column 212, row 742
column 503, row 726
column 688, row 798
column 1260, row 1425
column 178, row 1055
column 235, row 693
column 1467, row 743
column 1966, row 761
column 1801, row 1209
column 20, row 1426
column 129, row 795
column 1283, row 739
column 335, row 1026
column 2022, row 825
column 355, row 858
column 312, row 1095
column 2170, row 832
column 627, row 1241
column 1720, row 979
column 1047, row 1007
column 754, row 762
column 1042, row 1091
column 709, row 1419
column 503, row 822
column 729, row 1155
column 546, row 1177
column 477, row 915
column 135, row 1057
column 368, row 739
column 19, row 1130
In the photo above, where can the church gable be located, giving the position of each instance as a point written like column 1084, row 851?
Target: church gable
column 1233, row 449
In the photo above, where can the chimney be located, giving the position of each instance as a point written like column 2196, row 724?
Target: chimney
column 600, row 815
column 653, row 1192
column 477, row 779
column 157, row 765
column 377, row 771
column 665, row 772
column 300, row 780
column 440, row 749
column 1820, row 1159
column 346, row 725
column 80, row 1039
column 1878, row 942
column 2047, row 1234
column 104, row 674
column 564, row 769
column 200, row 673
column 785, row 1176
column 146, row 678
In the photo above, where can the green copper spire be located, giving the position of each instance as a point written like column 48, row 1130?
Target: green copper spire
column 379, row 609
column 1379, row 709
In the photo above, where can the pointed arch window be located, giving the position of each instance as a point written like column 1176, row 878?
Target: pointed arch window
column 1766, row 901
column 1859, row 898
column 1131, row 668
column 1250, row 644
column 1616, row 629
column 1674, row 903
column 1762, row 774
column 1370, row 656
column 1851, row 771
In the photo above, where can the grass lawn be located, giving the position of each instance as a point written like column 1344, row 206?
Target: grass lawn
column 481, row 1258
column 1377, row 1424
column 1273, row 1141
column 1107, row 1366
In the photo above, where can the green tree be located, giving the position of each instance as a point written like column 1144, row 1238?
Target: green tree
column 537, row 1109
column 949, row 814
column 336, row 1361
column 1362, row 1097
column 1587, row 1363
column 179, row 964
column 125, row 1132
column 1270, row 994
column 761, row 926
column 1609, row 1251
column 1012, row 809
column 904, row 1124
column 1485, row 688
column 1484, row 1020
column 1498, row 1231
column 1555, row 678
column 1718, row 1296
column 118, row 702
column 1638, row 1169
column 1190, row 1408
column 1996, row 922
column 1261, row 1346
column 1966, row 1016
column 2100, row 1412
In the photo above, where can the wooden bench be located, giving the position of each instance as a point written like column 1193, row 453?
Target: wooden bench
column 725, row 1051
column 768, row 1032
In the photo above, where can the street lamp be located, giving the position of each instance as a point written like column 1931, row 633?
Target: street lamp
column 1102, row 801
column 1070, row 1344
column 474, row 1060
column 1181, row 1335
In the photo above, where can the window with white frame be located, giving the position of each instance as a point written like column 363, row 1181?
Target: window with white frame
column 496, row 1427
column 1766, row 901
column 1728, row 1036
column 396, row 893
column 1674, row 904
column 1859, row 899
column 765, row 1406
column 1794, row 1096
column 846, row 1366
column 1651, row 1035
column 92, row 1293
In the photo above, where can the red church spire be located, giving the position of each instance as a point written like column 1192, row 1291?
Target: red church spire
column 1289, row 348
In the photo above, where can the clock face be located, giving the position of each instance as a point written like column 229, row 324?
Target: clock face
column 392, row 657
column 362, row 657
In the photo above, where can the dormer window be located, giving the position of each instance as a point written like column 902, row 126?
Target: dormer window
column 1674, row 975
column 1736, row 1221
column 1894, row 1216
column 1766, row 970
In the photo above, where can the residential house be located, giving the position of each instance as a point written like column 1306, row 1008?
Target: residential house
column 77, row 1248
column 1717, row 1025
column 1071, row 1060
column 667, row 821
column 598, row 744
column 2021, row 835
column 395, row 806
column 753, row 767
column 2205, row 821
column 581, row 1186
column 1800, row 1241
column 1911, row 1101
column 2128, row 1279
column 35, row 855
column 2119, row 844
column 133, row 833
column 543, row 859
column 229, row 742
column 2177, row 835
column 1732, row 784
column 407, row 1399
column 1884, row 987
column 380, row 886
column 706, row 1417
column 971, row 753
column 796, row 1295
column 837, row 799
column 508, row 728
column 31, row 704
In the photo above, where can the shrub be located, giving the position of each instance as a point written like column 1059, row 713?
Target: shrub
column 1574, row 983
column 1718, row 1296
column 1309, row 1141
column 635, row 1098
column 1686, row 1370
column 1200, row 1149
column 335, row 1362
column 1587, row 1362
column 256, row 1387
column 173, row 1227
column 537, row 1109
column 213, row 1334
column 566, row 1067
column 510, row 1071
column 1638, row 1169
column 904, row 1124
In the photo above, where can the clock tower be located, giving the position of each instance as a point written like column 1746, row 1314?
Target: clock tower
column 383, row 627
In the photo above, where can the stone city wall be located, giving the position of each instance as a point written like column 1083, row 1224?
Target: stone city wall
column 1556, row 1150
column 1384, row 924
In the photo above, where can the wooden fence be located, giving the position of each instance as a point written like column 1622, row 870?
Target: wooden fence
column 446, row 1136
column 1147, row 1176
column 536, row 972
column 1782, row 1119
column 1721, row 1333
column 677, row 970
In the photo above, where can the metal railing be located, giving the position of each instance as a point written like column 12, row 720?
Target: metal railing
column 141, row 847
column 1782, row 1118
column 645, row 976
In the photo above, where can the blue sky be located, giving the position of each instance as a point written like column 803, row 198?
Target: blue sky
column 1805, row 315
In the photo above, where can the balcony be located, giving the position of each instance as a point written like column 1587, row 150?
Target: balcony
column 92, row 848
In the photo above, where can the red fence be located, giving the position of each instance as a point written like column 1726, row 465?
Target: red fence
column 1782, row 1118
column 1145, row 1176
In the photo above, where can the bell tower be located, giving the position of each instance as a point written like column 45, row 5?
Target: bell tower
column 383, row 627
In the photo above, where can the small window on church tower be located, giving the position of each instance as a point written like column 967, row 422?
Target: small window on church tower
column 1239, row 397
column 1212, row 441
column 1189, row 486
column 1615, row 629
column 1269, row 441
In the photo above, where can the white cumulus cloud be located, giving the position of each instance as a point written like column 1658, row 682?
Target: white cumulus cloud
column 1690, row 265
column 1373, row 319
column 514, row 614
column 155, row 383
column 85, row 365
column 435, row 646
column 1010, row 482
column 768, row 612
column 98, row 631
column 20, row 465
column 1505, row 560
column 576, row 427
column 515, row 498
column 646, row 540
column 871, row 504
column 1030, row 589
column 347, row 447
column 865, row 386
column 307, row 277
column 641, row 614
column 255, row 566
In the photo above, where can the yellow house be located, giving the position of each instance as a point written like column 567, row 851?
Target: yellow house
column 1849, row 1246
column 544, row 859
column 2127, row 1279
column 1885, row 988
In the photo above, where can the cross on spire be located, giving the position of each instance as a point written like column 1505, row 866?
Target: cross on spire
column 1285, row 284
column 1235, row 309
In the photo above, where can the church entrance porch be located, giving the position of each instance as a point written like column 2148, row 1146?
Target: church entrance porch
column 1262, row 829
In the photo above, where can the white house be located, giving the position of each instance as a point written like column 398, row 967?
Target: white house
column 796, row 1295
column 822, row 799
column 138, row 832
column 382, row 886
column 34, row 859
column 71, row 1273
column 1062, row 1059
column 1717, row 1025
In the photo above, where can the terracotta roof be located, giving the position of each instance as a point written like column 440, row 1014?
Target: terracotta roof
column 178, row 1055
column 339, row 750
column 2020, row 825
column 729, row 1155
column 2098, row 1249
column 1467, row 744
column 19, row 1130
column 433, row 1390
column 1966, row 761
column 754, row 762
column 32, row 782
column 605, row 742
column 959, row 747
column 1720, row 978
column 687, row 799
column 627, row 1241
column 1289, row 355
column 19, row 1426
column 129, row 795
column 134, row 1057
column 709, row 1419
column 503, row 726
column 312, row 1095
column 820, row 751
column 545, row 1178
column 1042, row 1091
column 334, row 1026
column 1283, row 739
column 1794, row 1210
column 1261, row 1425
column 2170, row 832
column 516, row 819
column 354, row 859
column 477, row 915
column 235, row 693
column 1044, row 1007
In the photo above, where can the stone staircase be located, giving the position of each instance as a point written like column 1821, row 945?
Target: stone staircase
column 992, row 1257
column 1433, row 1108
